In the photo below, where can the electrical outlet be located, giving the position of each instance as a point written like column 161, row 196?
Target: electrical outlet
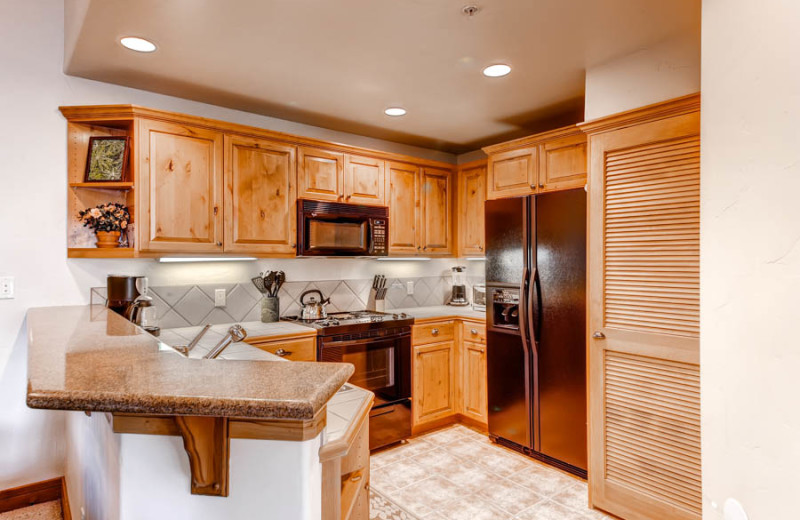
column 409, row 288
column 219, row 298
column 6, row 287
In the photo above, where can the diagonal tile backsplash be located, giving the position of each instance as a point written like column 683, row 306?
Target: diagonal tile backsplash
column 190, row 305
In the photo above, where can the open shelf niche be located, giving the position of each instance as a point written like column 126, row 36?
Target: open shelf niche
column 81, row 242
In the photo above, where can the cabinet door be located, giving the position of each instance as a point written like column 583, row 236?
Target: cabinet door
column 260, row 214
column 471, row 218
column 513, row 173
column 320, row 174
column 436, row 235
column 434, row 381
column 563, row 163
column 474, row 384
column 403, row 195
column 181, row 188
column 644, row 317
column 364, row 180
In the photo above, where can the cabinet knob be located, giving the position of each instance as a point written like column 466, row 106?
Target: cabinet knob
column 533, row 186
column 419, row 247
column 282, row 353
column 541, row 185
column 355, row 478
column 425, row 248
column 435, row 332
column 294, row 245
column 480, row 248
column 482, row 350
column 598, row 335
column 473, row 331
column 219, row 243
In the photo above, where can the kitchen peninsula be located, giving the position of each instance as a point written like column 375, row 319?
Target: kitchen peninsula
column 256, row 431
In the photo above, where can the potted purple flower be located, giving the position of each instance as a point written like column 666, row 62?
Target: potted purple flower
column 107, row 221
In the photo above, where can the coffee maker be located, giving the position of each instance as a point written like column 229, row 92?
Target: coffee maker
column 121, row 292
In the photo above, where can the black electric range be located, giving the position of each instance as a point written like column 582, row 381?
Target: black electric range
column 378, row 345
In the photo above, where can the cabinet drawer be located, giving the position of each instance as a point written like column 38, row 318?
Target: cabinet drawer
column 433, row 332
column 303, row 349
column 473, row 332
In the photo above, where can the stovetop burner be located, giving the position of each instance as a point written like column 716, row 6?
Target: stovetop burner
column 345, row 321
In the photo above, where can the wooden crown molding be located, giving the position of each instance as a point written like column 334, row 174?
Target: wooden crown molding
column 477, row 163
column 97, row 113
column 531, row 140
column 654, row 112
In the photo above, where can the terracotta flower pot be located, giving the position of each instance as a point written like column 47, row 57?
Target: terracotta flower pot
column 107, row 239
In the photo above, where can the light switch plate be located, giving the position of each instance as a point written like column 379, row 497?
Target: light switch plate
column 6, row 287
column 219, row 298
column 409, row 288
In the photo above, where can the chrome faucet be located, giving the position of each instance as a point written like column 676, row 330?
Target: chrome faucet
column 185, row 349
column 235, row 334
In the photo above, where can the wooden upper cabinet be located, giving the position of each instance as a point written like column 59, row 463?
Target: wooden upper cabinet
column 471, row 218
column 402, row 186
column 550, row 161
column 563, row 163
column 260, row 195
column 181, row 188
column 320, row 174
column 364, row 180
column 436, row 216
column 513, row 173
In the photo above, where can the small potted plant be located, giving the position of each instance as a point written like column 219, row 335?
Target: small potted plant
column 107, row 221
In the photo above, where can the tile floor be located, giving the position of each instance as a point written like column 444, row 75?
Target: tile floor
column 458, row 473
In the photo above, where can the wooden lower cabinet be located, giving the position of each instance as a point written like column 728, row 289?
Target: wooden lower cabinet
column 300, row 349
column 473, row 382
column 434, row 381
column 449, row 374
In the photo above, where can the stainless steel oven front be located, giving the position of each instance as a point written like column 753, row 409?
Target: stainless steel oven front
column 382, row 361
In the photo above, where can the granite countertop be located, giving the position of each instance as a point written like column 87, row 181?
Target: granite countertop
column 91, row 359
column 442, row 311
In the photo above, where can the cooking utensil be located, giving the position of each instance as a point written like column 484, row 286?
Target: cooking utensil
column 269, row 279
column 280, row 278
column 258, row 281
column 313, row 309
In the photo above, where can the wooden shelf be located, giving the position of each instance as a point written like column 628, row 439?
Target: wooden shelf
column 102, row 185
column 95, row 252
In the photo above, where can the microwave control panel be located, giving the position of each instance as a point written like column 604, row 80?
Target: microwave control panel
column 379, row 229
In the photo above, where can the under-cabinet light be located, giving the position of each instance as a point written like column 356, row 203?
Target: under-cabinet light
column 174, row 259
column 476, row 259
column 402, row 259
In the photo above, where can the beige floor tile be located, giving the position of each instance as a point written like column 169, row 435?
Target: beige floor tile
column 471, row 507
column 542, row 480
column 444, row 436
column 470, row 449
column 549, row 510
column 400, row 452
column 509, row 496
column 577, row 497
column 501, row 461
column 427, row 496
column 398, row 475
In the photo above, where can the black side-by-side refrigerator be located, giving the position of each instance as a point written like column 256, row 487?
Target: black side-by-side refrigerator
column 536, row 325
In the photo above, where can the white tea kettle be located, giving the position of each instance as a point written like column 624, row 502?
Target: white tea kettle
column 313, row 309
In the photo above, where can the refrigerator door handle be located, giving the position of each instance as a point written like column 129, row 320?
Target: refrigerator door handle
column 535, row 299
column 523, row 324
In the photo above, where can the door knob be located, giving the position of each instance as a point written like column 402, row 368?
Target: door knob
column 598, row 335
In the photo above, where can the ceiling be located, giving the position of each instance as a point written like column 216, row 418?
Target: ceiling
column 339, row 64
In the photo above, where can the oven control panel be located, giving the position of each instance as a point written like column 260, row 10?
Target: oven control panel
column 379, row 227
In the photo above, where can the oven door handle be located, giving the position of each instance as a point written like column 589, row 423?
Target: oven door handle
column 376, row 340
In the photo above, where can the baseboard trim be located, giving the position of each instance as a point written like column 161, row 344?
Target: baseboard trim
column 36, row 493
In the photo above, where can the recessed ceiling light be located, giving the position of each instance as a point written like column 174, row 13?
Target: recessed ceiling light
column 495, row 71
column 395, row 111
column 138, row 44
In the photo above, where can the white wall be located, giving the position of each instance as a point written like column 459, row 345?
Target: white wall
column 750, row 256
column 33, row 213
column 660, row 72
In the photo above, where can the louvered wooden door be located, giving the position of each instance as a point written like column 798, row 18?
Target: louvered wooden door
column 644, row 320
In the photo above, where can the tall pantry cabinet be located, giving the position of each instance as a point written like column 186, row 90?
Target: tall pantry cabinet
column 644, row 261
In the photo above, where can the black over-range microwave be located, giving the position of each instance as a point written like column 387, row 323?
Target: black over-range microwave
column 334, row 229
